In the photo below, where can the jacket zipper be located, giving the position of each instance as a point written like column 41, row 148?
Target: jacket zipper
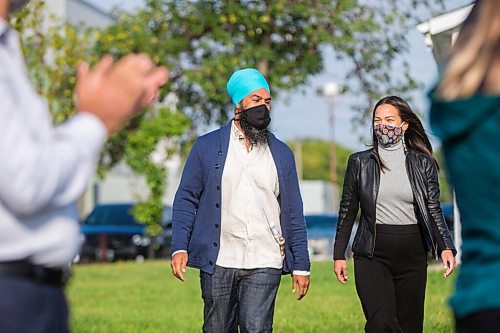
column 434, row 249
column 375, row 210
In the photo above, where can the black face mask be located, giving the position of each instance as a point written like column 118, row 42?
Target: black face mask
column 257, row 117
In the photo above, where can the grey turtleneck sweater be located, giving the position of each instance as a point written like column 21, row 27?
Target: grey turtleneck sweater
column 395, row 197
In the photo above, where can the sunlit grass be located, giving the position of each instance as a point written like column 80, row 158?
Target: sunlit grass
column 132, row 297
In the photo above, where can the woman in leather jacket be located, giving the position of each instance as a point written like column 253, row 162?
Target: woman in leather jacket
column 396, row 186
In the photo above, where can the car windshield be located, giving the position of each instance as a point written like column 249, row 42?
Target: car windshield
column 321, row 221
column 111, row 215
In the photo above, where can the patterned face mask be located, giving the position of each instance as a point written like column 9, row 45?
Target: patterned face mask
column 388, row 135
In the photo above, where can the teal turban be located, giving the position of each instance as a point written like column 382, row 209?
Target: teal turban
column 244, row 82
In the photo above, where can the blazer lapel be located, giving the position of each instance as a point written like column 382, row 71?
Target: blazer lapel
column 224, row 136
column 277, row 161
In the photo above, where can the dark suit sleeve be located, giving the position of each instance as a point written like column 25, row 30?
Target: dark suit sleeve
column 440, row 229
column 297, row 222
column 187, row 200
column 349, row 206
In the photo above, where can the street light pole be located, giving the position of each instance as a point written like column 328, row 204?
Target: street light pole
column 333, row 154
column 330, row 91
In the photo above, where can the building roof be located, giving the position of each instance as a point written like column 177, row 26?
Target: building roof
column 444, row 22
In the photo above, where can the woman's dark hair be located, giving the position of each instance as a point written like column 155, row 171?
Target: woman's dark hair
column 415, row 137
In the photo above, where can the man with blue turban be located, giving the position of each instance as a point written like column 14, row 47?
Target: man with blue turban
column 237, row 215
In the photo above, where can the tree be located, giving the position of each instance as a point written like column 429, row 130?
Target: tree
column 203, row 42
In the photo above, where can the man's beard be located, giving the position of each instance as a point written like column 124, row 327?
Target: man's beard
column 255, row 136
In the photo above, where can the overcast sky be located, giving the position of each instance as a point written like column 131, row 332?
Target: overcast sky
column 306, row 116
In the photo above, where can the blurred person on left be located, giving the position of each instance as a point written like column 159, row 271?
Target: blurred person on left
column 45, row 169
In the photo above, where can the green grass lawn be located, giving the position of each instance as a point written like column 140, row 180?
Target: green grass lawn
column 131, row 297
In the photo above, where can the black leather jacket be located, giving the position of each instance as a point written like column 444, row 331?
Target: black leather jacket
column 361, row 185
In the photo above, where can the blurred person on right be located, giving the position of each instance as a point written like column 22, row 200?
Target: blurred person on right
column 465, row 115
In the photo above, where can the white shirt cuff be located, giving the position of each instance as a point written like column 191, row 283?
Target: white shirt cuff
column 301, row 273
column 90, row 129
column 179, row 251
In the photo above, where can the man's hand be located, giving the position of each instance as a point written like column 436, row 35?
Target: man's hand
column 303, row 283
column 178, row 264
column 113, row 92
column 448, row 262
column 340, row 269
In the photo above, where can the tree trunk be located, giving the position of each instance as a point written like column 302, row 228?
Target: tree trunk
column 263, row 67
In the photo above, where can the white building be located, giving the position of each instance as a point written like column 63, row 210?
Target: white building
column 441, row 31
column 318, row 196
column 79, row 12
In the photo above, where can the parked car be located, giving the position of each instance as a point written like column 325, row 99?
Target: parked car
column 447, row 209
column 321, row 231
column 110, row 232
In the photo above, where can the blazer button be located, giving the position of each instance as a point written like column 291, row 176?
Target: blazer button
column 220, row 152
column 217, row 205
column 217, row 225
column 211, row 263
column 217, row 166
column 215, row 244
column 218, row 188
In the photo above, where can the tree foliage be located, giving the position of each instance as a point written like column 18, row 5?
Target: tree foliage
column 316, row 159
column 203, row 42
column 52, row 50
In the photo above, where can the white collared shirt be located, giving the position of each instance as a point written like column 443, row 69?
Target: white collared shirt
column 246, row 239
column 43, row 169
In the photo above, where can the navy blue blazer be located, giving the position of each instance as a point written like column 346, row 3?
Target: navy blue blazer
column 197, row 204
